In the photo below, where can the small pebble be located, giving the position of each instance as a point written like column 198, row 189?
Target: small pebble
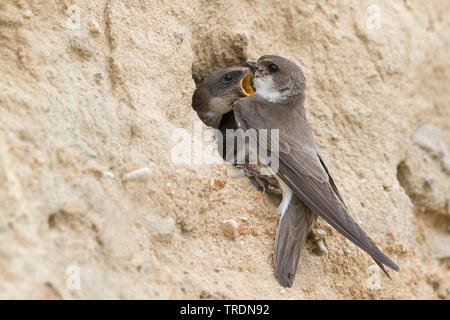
column 98, row 171
column 320, row 249
column 434, row 284
column 442, row 294
column 282, row 290
column 27, row 14
column 243, row 219
column 99, row 76
column 179, row 37
column 74, row 207
column 60, row 241
column 91, row 152
column 230, row 228
column 108, row 174
column 321, row 234
column 139, row 175
column 21, row 55
column 429, row 181
column 95, row 170
column 93, row 27
column 81, row 45
column 137, row 261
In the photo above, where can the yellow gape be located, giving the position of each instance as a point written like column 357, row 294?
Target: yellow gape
column 245, row 85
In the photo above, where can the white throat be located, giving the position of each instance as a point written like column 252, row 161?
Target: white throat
column 265, row 87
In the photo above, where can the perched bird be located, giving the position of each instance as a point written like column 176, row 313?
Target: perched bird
column 306, row 183
column 213, row 100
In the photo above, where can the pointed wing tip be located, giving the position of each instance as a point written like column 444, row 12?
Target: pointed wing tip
column 388, row 264
column 395, row 268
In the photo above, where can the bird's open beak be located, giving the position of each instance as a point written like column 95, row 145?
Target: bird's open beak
column 246, row 84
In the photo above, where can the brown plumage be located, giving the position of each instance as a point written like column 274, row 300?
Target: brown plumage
column 278, row 104
column 215, row 95
column 290, row 239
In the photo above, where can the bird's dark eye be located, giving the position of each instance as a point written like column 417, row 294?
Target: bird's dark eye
column 273, row 68
column 228, row 77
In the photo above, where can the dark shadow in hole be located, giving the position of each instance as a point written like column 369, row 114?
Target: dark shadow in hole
column 228, row 122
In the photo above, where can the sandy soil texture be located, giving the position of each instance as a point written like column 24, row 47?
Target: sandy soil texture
column 95, row 94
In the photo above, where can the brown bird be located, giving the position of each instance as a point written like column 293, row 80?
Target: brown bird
column 304, row 178
column 213, row 100
column 215, row 95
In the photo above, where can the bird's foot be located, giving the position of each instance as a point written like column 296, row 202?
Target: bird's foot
column 274, row 189
column 251, row 171
column 260, row 181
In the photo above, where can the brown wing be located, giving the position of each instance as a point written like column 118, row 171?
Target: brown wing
column 302, row 169
column 291, row 236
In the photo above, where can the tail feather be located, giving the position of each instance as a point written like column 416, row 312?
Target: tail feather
column 291, row 235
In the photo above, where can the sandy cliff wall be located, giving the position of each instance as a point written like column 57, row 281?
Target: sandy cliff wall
column 91, row 92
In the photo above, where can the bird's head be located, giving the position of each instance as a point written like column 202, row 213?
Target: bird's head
column 277, row 79
column 216, row 94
